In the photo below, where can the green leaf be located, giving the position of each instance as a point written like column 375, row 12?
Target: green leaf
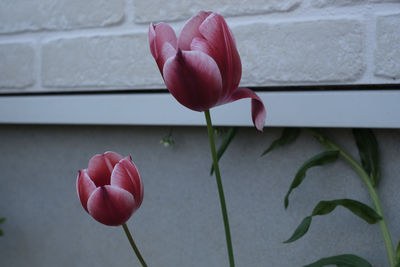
column 345, row 260
column 325, row 207
column 323, row 139
column 300, row 230
column 289, row 135
column 318, row 160
column 360, row 209
column 397, row 256
column 369, row 152
column 224, row 145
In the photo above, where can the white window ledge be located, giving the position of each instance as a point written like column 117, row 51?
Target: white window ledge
column 375, row 109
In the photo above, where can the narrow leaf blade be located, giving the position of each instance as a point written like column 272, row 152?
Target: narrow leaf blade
column 321, row 138
column 397, row 256
column 289, row 135
column 318, row 160
column 363, row 211
column 369, row 152
column 224, row 145
column 345, row 260
column 301, row 230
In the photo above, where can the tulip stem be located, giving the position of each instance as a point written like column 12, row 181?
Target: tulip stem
column 129, row 236
column 220, row 188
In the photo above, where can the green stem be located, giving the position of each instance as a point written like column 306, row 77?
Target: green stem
column 129, row 236
column 220, row 188
column 328, row 144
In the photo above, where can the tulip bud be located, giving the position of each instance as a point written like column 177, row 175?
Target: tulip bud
column 110, row 189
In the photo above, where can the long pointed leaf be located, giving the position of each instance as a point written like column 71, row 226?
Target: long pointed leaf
column 289, row 135
column 345, row 260
column 397, row 256
column 321, row 138
column 363, row 211
column 325, row 207
column 369, row 152
column 318, row 160
column 300, row 230
column 224, row 145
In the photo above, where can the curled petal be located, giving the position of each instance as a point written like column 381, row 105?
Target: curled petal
column 193, row 79
column 220, row 38
column 84, row 187
column 111, row 205
column 191, row 30
column 258, row 113
column 160, row 35
column 125, row 175
column 152, row 41
column 101, row 166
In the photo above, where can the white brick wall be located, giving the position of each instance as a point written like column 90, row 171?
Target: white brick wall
column 16, row 65
column 50, row 45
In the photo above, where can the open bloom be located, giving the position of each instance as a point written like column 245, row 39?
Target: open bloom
column 110, row 189
column 202, row 67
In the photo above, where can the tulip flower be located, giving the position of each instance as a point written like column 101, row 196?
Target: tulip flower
column 110, row 189
column 202, row 68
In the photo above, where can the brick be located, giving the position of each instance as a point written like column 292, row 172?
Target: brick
column 32, row 15
column 387, row 53
column 308, row 51
column 16, row 65
column 121, row 61
column 153, row 11
column 328, row 3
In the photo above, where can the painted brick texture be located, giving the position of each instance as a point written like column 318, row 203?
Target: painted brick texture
column 146, row 11
column 311, row 51
column 33, row 15
column 327, row 3
column 16, row 65
column 101, row 45
column 121, row 61
column 387, row 54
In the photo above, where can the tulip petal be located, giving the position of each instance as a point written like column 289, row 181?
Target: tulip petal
column 125, row 175
column 258, row 113
column 152, row 41
column 193, row 79
column 191, row 30
column 111, row 205
column 84, row 187
column 217, row 33
column 200, row 44
column 160, row 35
column 101, row 166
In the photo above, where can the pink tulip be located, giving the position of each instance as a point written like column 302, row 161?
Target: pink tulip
column 202, row 68
column 110, row 189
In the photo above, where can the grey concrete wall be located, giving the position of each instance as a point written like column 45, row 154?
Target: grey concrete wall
column 179, row 223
